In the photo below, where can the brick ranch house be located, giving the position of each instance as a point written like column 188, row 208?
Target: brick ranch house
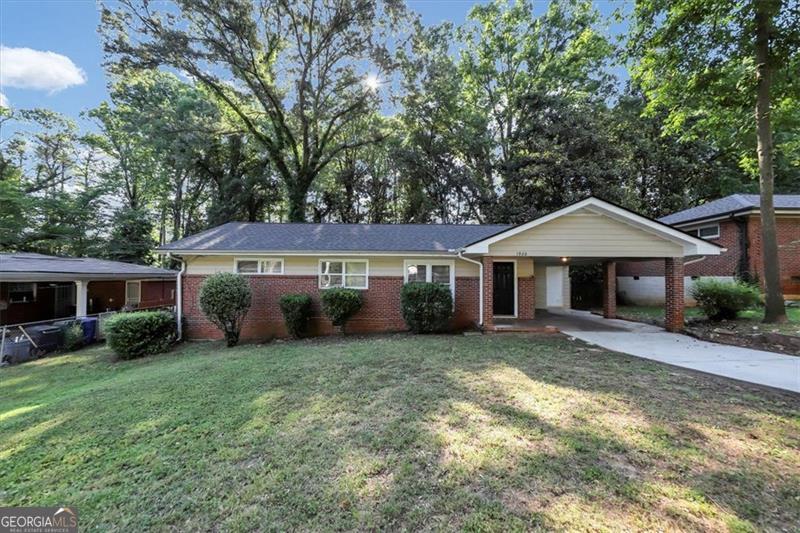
column 733, row 222
column 35, row 287
column 492, row 270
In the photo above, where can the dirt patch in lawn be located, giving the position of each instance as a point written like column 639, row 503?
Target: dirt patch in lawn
column 747, row 334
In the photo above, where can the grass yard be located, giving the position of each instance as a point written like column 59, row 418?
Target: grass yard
column 484, row 433
column 746, row 322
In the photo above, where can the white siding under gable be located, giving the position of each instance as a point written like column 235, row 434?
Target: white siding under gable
column 586, row 234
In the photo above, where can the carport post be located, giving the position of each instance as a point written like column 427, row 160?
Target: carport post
column 81, row 297
column 488, row 293
column 609, row 289
column 673, row 294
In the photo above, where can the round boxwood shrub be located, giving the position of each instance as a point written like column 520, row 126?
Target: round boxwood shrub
column 722, row 300
column 427, row 307
column 140, row 333
column 339, row 305
column 225, row 299
column 296, row 309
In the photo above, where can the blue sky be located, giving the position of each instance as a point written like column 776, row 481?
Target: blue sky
column 69, row 28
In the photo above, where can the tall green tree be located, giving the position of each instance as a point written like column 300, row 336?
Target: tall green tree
column 727, row 69
column 292, row 72
column 243, row 186
column 47, row 205
column 443, row 150
column 663, row 172
column 510, row 54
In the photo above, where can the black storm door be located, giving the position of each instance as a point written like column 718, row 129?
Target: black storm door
column 503, row 296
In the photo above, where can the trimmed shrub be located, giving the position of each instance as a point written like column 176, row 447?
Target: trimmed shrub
column 140, row 333
column 339, row 305
column 296, row 309
column 225, row 299
column 427, row 307
column 722, row 300
column 73, row 337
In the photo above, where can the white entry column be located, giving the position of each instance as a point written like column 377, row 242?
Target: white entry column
column 81, row 298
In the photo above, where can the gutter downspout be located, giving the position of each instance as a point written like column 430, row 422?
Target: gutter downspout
column 179, row 296
column 702, row 258
column 480, row 281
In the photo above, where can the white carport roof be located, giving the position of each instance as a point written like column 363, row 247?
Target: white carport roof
column 692, row 246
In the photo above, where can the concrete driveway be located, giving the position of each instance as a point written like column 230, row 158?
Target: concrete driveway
column 652, row 342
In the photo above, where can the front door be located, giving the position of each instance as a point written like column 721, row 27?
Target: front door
column 503, row 296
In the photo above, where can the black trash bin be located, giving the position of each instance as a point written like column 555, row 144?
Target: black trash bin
column 47, row 338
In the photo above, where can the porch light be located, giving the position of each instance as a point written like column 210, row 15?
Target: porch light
column 564, row 259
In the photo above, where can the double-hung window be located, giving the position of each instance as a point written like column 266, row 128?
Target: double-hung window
column 348, row 273
column 268, row 265
column 442, row 272
column 133, row 293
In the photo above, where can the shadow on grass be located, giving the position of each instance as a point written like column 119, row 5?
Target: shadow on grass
column 404, row 433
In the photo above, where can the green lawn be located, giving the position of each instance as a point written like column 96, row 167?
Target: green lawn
column 747, row 321
column 495, row 432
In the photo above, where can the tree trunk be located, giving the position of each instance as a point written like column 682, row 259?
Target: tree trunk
column 297, row 193
column 775, row 310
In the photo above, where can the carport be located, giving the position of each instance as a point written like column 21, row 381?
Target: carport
column 525, row 269
column 36, row 287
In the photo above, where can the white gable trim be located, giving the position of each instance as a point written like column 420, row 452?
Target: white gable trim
column 691, row 245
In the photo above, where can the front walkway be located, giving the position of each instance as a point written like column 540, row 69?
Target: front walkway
column 652, row 342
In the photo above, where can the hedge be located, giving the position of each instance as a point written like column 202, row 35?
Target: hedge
column 296, row 309
column 225, row 300
column 427, row 307
column 722, row 300
column 140, row 333
column 339, row 305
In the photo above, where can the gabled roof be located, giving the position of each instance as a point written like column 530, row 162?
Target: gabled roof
column 691, row 244
column 308, row 237
column 33, row 267
column 730, row 204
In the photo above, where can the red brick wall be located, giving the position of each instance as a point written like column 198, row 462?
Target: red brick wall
column 788, row 232
column 488, row 292
column 673, row 282
column 724, row 264
column 381, row 311
column 526, row 297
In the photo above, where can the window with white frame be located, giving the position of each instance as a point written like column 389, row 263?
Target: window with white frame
column 442, row 272
column 133, row 292
column 710, row 231
column 268, row 265
column 348, row 273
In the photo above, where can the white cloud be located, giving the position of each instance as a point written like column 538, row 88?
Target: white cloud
column 4, row 101
column 25, row 68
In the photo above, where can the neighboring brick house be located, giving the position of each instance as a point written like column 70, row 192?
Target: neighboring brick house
column 36, row 287
column 733, row 222
column 495, row 272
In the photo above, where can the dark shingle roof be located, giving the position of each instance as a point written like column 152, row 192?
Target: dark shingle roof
column 251, row 236
column 29, row 263
column 730, row 204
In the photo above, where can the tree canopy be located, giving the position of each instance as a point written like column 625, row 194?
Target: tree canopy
column 356, row 111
